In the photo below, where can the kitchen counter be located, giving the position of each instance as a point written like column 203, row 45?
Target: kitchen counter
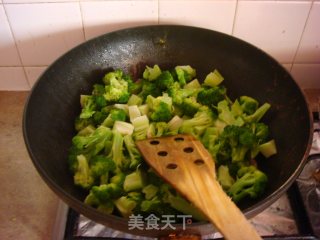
column 27, row 206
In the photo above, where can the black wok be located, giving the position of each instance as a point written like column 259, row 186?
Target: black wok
column 54, row 103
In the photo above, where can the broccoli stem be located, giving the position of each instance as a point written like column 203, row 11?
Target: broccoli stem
column 268, row 149
column 134, row 181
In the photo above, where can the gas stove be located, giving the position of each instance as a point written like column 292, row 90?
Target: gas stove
column 295, row 215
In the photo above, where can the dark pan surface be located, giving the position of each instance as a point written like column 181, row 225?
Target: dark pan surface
column 54, row 102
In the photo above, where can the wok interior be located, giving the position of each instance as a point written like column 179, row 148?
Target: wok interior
column 54, row 101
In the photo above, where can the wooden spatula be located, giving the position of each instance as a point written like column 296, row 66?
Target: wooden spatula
column 185, row 163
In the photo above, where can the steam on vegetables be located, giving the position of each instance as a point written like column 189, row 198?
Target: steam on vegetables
column 106, row 163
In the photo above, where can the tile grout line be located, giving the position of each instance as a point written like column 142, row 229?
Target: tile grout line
column 300, row 40
column 235, row 17
column 16, row 46
column 82, row 21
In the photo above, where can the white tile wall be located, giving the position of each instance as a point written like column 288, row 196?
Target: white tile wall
column 307, row 75
column 33, row 33
column 9, row 54
column 44, row 31
column 106, row 16
column 13, row 79
column 274, row 26
column 216, row 15
column 33, row 73
column 309, row 50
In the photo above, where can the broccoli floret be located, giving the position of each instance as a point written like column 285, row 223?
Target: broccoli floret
column 157, row 129
column 198, row 124
column 117, row 150
column 135, row 100
column 97, row 94
column 182, row 205
column 209, row 137
column 141, row 126
column 134, row 181
column 114, row 115
column 185, row 74
column 100, row 165
column 126, row 204
column 268, row 149
column 224, row 178
column 150, row 191
column 149, row 88
column 160, row 108
column 117, row 88
column 88, row 106
column 134, row 154
column 190, row 106
column 118, row 179
column 178, row 94
column 106, row 192
column 248, row 104
column 152, row 73
column 82, row 176
column 106, row 208
column 151, row 205
column 213, row 79
column 250, row 182
column 258, row 114
column 94, row 142
column 211, row 96
column 226, row 115
column 164, row 80
column 81, row 123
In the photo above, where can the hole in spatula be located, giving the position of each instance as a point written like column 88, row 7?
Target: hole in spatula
column 163, row 153
column 154, row 142
column 172, row 166
column 198, row 162
column 188, row 150
column 179, row 139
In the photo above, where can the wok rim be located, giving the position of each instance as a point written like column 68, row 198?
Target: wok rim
column 93, row 213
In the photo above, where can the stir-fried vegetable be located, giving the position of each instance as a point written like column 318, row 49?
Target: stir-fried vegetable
column 104, row 158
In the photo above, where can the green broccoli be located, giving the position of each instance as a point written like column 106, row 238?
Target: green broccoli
column 100, row 165
column 152, row 73
column 185, row 74
column 157, row 129
column 134, row 181
column 198, row 124
column 82, row 176
column 150, row 191
column 149, row 88
column 178, row 94
column 117, row 88
column 211, row 96
column 160, row 108
column 268, row 149
column 141, row 126
column 224, row 177
column 114, row 115
column 134, row 154
column 258, row 114
column 81, row 123
column 127, row 204
column 164, row 81
column 250, row 182
column 190, row 106
column 97, row 94
column 94, row 142
column 226, row 114
column 213, row 79
column 106, row 192
column 248, row 104
column 88, row 106
column 117, row 150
